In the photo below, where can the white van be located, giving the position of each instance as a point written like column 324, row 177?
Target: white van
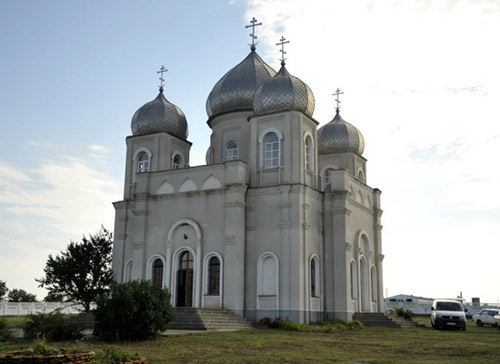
column 448, row 313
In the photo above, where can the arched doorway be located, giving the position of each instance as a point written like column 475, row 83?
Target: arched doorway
column 185, row 280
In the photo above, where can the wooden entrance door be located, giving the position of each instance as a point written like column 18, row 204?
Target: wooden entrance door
column 185, row 281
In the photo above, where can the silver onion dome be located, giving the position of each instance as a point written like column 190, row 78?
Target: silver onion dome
column 283, row 92
column 158, row 116
column 235, row 90
column 339, row 136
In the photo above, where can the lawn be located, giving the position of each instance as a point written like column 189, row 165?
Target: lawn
column 364, row 346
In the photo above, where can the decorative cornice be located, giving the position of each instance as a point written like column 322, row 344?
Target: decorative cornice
column 348, row 246
column 285, row 225
column 341, row 211
column 381, row 257
column 236, row 204
column 379, row 227
column 230, row 239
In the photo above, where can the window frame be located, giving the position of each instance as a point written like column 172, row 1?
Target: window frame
column 232, row 154
column 272, row 151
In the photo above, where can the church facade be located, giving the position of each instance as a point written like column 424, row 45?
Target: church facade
column 280, row 222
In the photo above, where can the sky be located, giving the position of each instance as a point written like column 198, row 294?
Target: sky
column 421, row 81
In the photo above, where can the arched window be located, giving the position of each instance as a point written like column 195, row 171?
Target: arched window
column 268, row 277
column 308, row 154
column 354, row 280
column 214, row 276
column 361, row 175
column 128, row 272
column 157, row 273
column 271, row 151
column 373, row 281
column 232, row 152
column 143, row 163
column 314, row 277
column 177, row 161
column 328, row 177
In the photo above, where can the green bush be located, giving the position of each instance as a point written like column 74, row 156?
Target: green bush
column 327, row 326
column 53, row 326
column 111, row 355
column 136, row 310
column 404, row 312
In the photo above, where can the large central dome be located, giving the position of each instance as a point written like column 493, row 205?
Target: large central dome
column 235, row 90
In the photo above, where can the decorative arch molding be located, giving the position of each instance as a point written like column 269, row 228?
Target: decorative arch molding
column 149, row 268
column 260, row 278
column 358, row 239
column 323, row 175
column 206, row 261
column 306, row 134
column 360, row 175
column 196, row 275
column 278, row 133
column 353, row 275
column 328, row 166
column 211, row 183
column 364, row 286
column 186, row 221
column 165, row 188
column 142, row 150
column 188, row 185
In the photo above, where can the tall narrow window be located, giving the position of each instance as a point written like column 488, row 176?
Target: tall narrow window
column 177, row 162
column 232, row 152
column 308, row 154
column 354, row 279
column 373, row 278
column 157, row 273
column 271, row 151
column 314, row 278
column 328, row 177
column 214, row 276
column 128, row 272
column 143, row 163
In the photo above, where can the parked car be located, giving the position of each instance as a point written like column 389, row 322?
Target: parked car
column 486, row 317
column 448, row 313
column 497, row 321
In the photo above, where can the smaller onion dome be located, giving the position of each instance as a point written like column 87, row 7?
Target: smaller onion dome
column 235, row 90
column 159, row 116
column 338, row 136
column 283, row 92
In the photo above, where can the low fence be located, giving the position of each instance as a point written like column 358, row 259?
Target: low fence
column 27, row 308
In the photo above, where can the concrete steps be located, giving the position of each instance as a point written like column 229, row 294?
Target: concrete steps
column 380, row 319
column 188, row 318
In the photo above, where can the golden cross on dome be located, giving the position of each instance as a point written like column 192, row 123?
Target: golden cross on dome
column 162, row 80
column 253, row 25
column 337, row 100
column 282, row 43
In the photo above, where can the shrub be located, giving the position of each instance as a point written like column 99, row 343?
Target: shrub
column 111, row 355
column 404, row 312
column 327, row 326
column 53, row 326
column 136, row 310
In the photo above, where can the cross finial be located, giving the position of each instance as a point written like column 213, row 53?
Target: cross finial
column 282, row 43
column 253, row 25
column 161, row 72
column 337, row 100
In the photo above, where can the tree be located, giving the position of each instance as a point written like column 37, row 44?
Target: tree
column 54, row 297
column 82, row 271
column 136, row 310
column 20, row 295
column 3, row 289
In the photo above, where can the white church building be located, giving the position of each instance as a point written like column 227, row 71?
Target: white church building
column 280, row 222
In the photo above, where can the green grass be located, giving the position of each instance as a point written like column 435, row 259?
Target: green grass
column 365, row 346
column 16, row 321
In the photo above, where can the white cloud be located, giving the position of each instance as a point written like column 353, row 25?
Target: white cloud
column 43, row 209
column 98, row 148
